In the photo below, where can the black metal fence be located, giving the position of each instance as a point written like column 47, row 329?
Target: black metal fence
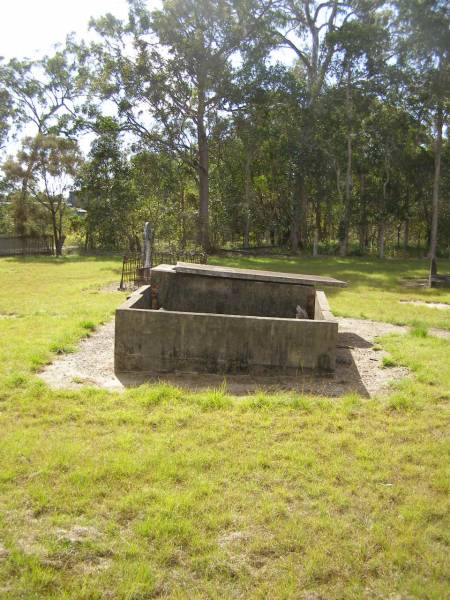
column 134, row 274
column 15, row 245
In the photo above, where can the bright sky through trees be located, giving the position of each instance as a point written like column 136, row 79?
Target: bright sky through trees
column 32, row 27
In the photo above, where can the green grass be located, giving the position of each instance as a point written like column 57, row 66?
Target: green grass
column 376, row 288
column 210, row 496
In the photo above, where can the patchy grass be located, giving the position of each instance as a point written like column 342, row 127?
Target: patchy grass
column 388, row 362
column 156, row 492
column 55, row 302
column 419, row 329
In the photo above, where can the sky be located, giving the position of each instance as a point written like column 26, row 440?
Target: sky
column 29, row 28
column 32, row 28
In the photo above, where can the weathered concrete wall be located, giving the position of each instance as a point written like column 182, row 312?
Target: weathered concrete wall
column 158, row 341
column 196, row 293
column 141, row 298
column 322, row 310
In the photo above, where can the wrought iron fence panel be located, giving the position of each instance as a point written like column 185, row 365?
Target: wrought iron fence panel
column 134, row 274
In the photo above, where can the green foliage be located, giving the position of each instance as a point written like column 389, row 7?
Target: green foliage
column 419, row 329
column 41, row 176
column 106, row 191
column 217, row 137
column 388, row 361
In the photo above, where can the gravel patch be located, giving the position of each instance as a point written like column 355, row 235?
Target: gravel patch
column 77, row 534
column 91, row 365
column 110, row 287
column 438, row 305
column 359, row 367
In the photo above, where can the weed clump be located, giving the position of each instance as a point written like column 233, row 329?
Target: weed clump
column 88, row 325
column 419, row 329
column 388, row 362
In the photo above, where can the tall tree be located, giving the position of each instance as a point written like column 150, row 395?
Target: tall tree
column 106, row 191
column 55, row 164
column 170, row 89
column 43, row 94
column 363, row 47
column 6, row 114
column 424, row 40
column 305, row 27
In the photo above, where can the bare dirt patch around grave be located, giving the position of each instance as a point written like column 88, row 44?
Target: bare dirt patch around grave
column 358, row 369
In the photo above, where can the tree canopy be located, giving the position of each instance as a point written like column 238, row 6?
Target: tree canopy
column 306, row 124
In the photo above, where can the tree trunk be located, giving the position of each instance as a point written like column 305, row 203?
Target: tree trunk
column 203, row 172
column 86, row 239
column 316, row 242
column 295, row 220
column 183, row 220
column 406, row 236
column 317, row 229
column 328, row 221
column 247, row 199
column 381, row 234
column 382, row 217
column 21, row 212
column 272, row 236
column 363, row 233
column 436, row 182
column 56, row 232
column 345, row 222
column 299, row 229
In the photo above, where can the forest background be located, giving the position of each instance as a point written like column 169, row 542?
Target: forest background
column 316, row 126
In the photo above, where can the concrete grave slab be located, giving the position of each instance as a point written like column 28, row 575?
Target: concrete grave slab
column 253, row 274
column 192, row 322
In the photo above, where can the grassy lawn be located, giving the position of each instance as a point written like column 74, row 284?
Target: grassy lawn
column 375, row 287
column 158, row 493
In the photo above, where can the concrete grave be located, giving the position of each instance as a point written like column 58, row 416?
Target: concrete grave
column 199, row 318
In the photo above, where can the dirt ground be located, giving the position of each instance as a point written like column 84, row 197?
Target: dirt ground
column 358, row 369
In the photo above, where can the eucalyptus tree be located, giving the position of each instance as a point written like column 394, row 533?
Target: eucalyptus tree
column 304, row 26
column 170, row 73
column 166, row 196
column 104, row 184
column 6, row 114
column 311, row 28
column 42, row 91
column 424, row 41
column 42, row 95
column 265, row 127
column 55, row 164
column 363, row 48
